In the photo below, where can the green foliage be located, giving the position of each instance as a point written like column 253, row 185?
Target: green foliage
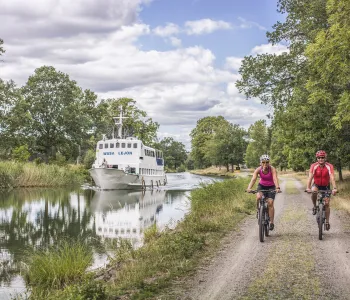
column 57, row 266
column 136, row 124
column 329, row 62
column 89, row 288
column 181, row 168
column 21, row 153
column 227, row 145
column 59, row 113
column 215, row 209
column 17, row 174
column 200, row 135
column 258, row 144
column 2, row 50
column 174, row 152
column 89, row 158
column 215, row 141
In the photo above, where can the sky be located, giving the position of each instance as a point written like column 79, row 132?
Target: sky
column 178, row 59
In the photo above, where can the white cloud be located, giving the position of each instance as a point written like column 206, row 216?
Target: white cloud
column 175, row 41
column 175, row 87
column 204, row 26
column 168, row 30
column 233, row 63
column 270, row 49
column 250, row 24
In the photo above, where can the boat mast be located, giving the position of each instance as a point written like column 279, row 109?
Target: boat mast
column 118, row 121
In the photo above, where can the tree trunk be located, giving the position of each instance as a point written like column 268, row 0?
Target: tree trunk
column 232, row 168
column 227, row 167
column 340, row 170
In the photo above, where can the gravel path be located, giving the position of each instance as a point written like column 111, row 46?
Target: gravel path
column 291, row 264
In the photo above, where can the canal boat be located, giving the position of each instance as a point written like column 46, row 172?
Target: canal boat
column 125, row 163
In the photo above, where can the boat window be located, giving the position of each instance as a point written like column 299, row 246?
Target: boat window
column 100, row 146
column 129, row 145
column 123, row 145
column 135, row 145
column 117, row 145
column 106, row 145
column 111, row 145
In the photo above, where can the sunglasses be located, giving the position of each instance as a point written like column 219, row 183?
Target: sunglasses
column 265, row 162
column 320, row 157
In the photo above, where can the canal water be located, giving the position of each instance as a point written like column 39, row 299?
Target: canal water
column 31, row 218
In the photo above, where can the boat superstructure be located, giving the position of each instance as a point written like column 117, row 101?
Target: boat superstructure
column 126, row 163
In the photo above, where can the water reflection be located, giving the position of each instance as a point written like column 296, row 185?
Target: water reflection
column 32, row 218
column 122, row 214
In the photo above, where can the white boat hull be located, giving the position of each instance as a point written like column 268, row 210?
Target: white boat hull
column 115, row 179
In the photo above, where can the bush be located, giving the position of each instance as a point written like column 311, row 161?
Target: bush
column 89, row 158
column 21, row 153
column 57, row 266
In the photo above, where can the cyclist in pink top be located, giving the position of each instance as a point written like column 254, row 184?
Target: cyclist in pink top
column 268, row 181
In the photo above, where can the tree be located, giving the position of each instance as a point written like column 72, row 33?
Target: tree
column 13, row 117
column 2, row 50
column 136, row 124
column 174, row 152
column 258, row 143
column 227, row 146
column 200, row 135
column 329, row 62
column 272, row 78
column 60, row 113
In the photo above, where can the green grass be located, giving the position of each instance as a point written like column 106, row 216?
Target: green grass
column 54, row 268
column 16, row 174
column 171, row 254
column 165, row 257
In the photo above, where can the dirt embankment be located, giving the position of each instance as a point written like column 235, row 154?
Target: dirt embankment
column 291, row 264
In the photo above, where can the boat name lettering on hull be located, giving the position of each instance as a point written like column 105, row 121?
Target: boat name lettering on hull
column 108, row 153
column 125, row 153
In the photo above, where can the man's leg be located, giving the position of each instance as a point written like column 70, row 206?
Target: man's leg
column 328, row 212
column 314, row 198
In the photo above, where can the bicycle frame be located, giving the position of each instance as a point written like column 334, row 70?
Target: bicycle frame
column 321, row 210
column 264, row 219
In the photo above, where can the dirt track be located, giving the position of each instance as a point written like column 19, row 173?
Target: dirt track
column 291, row 264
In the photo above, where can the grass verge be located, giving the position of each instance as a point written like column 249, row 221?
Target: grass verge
column 215, row 210
column 52, row 269
column 16, row 174
column 172, row 253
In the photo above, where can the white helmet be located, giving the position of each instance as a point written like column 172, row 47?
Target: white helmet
column 264, row 157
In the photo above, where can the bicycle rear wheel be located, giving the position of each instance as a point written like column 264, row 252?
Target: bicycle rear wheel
column 261, row 223
column 320, row 222
column 267, row 223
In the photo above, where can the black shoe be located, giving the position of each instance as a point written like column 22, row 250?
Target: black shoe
column 328, row 226
column 272, row 226
column 314, row 210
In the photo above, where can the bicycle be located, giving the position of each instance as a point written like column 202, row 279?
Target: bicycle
column 321, row 210
column 263, row 214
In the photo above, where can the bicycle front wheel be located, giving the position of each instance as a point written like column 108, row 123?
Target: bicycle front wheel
column 261, row 223
column 320, row 221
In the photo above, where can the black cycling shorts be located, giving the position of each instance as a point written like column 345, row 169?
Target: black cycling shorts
column 268, row 194
column 322, row 187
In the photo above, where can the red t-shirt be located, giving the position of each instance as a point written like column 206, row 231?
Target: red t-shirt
column 322, row 174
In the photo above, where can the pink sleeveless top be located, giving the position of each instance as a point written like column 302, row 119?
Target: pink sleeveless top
column 266, row 179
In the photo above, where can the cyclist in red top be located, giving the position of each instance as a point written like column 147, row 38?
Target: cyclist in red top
column 322, row 173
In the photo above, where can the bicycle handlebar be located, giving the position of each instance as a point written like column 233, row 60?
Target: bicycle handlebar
column 320, row 192
column 263, row 191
